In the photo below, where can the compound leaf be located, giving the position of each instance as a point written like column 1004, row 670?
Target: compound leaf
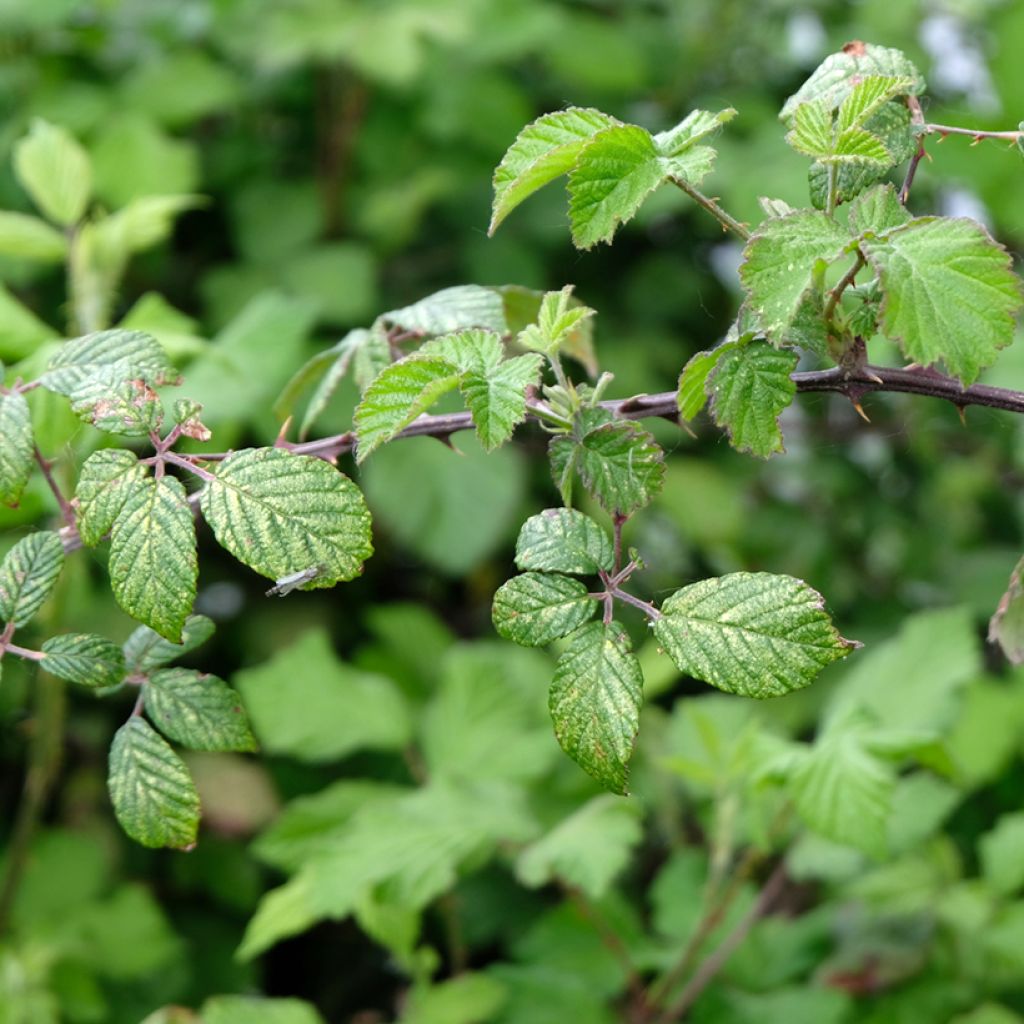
column 564, row 540
column 199, row 711
column 538, row 607
column 595, row 702
column 749, row 387
column 153, row 567
column 28, row 574
column 950, row 293
column 103, row 485
column 16, row 451
column 281, row 513
column 755, row 634
column 153, row 795
column 84, row 658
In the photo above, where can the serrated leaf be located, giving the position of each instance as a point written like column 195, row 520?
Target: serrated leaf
column 564, row 540
column 750, row 386
column 199, row 711
column 55, row 171
column 536, row 608
column 543, row 150
column 28, row 573
column 878, row 211
column 154, row 798
column 950, row 293
column 153, row 566
column 84, row 658
column 397, row 396
column 281, row 513
column 146, row 650
column 497, row 399
column 16, row 447
column 755, row 634
column 106, row 478
column 522, row 309
column 452, row 309
column 621, row 465
column 780, row 263
column 127, row 407
column 614, row 173
column 29, row 238
column 595, row 702
column 866, row 98
column 586, row 850
column 692, row 395
column 857, row 145
column 558, row 318
column 466, row 351
column 105, row 357
column 812, row 129
column 697, row 125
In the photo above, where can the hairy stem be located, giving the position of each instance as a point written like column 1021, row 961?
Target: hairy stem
column 845, row 281
column 725, row 219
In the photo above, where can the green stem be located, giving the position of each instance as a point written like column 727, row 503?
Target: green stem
column 725, row 219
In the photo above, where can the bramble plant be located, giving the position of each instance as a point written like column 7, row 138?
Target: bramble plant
column 819, row 284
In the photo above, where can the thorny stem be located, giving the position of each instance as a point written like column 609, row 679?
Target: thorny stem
column 725, row 219
column 974, row 133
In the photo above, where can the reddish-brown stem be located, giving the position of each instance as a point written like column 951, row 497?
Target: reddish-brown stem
column 66, row 511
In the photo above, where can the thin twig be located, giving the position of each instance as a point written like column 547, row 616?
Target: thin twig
column 976, row 134
column 725, row 219
column 66, row 511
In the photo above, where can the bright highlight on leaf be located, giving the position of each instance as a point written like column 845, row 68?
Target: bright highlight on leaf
column 754, row 634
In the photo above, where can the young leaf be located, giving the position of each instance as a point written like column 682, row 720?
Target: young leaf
column 199, row 711
column 280, row 513
column 564, row 540
column 697, row 125
column 452, row 309
column 755, row 634
column 749, row 387
column 153, row 567
column 85, row 659
column 595, row 702
column 146, row 650
column 467, row 351
column 522, row 310
column 29, row 238
column 543, row 150
column 866, row 98
column 587, row 849
column 538, row 607
column 55, row 171
column 614, row 173
column 558, row 319
column 16, row 451
column 107, row 357
column 950, row 293
column 153, row 795
column 780, row 264
column 878, row 211
column 28, row 574
column 496, row 399
column 106, row 479
column 621, row 465
column 397, row 396
column 692, row 394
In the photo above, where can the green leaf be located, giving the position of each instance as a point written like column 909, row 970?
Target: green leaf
column 536, row 608
column 55, row 171
column 586, row 850
column 692, row 394
column 697, row 125
column 564, row 540
column 866, row 98
column 615, row 172
column 621, row 465
column 106, row 479
column 281, row 513
column 950, row 293
column 1006, row 627
column 199, row 711
column 543, row 150
column 29, row 238
column 128, row 407
column 257, row 1010
column 146, row 650
column 16, row 446
column 878, row 211
column 755, row 634
column 750, row 386
column 107, row 357
column 558, row 319
column 397, row 396
column 522, row 310
column 452, row 309
column 465, row 999
column 142, row 223
column 781, row 263
column 153, row 567
column 154, row 798
column 497, row 399
column 466, row 351
column 595, row 702
column 1002, row 854
column 85, row 659
column 28, row 573
column 307, row 704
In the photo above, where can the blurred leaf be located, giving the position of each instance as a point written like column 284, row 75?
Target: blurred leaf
column 256, row 1010
column 305, row 703
column 16, row 446
column 988, row 1013
column 466, row 999
column 1006, row 626
column 142, row 223
column 146, row 650
column 452, row 309
column 564, row 540
column 84, row 658
column 152, row 792
column 1002, row 854
column 21, row 332
column 339, row 280
column 182, row 87
column 55, row 171
column 28, row 574
column 197, row 710
column 29, row 238
column 536, row 608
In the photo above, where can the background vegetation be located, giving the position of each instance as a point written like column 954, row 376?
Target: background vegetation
column 344, row 152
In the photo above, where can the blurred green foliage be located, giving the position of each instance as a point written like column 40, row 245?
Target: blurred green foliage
column 344, row 150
